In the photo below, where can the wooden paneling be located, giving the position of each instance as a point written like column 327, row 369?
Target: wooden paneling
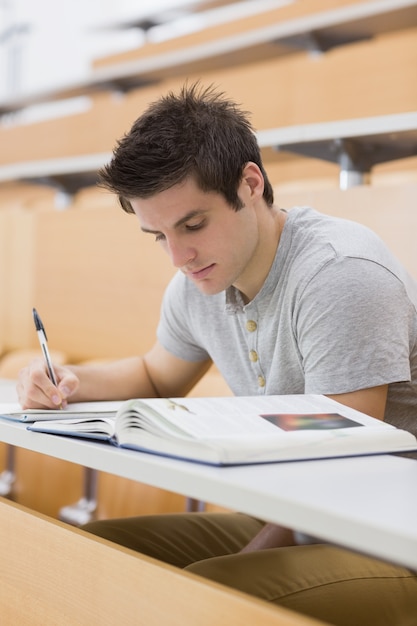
column 99, row 281
column 120, row 497
column 17, row 287
column 4, row 266
column 45, row 484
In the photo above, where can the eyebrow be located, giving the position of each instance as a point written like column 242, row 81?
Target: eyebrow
column 183, row 220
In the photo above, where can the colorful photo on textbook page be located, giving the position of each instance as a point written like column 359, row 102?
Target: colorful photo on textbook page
column 314, row 421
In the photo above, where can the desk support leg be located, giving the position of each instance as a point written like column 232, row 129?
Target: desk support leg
column 82, row 511
column 354, row 168
column 194, row 506
column 7, row 477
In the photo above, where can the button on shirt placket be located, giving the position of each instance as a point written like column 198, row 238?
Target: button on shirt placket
column 252, row 330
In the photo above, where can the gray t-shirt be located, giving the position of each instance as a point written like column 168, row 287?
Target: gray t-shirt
column 337, row 313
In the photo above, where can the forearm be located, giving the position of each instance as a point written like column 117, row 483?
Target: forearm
column 157, row 373
column 116, row 380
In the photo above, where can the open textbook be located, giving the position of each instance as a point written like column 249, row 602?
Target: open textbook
column 233, row 430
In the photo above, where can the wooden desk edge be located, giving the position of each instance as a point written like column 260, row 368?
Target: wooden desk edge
column 53, row 573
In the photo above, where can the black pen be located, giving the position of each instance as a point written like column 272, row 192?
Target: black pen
column 44, row 345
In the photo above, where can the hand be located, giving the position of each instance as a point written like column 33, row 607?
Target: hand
column 35, row 389
column 270, row 536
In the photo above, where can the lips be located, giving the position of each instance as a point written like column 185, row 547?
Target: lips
column 200, row 274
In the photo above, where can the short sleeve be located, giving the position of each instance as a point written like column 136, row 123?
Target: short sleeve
column 352, row 327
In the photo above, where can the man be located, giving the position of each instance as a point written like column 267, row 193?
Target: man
column 281, row 302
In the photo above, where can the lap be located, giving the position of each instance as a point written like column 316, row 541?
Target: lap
column 180, row 538
column 322, row 581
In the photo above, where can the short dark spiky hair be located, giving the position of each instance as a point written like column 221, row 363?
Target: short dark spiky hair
column 198, row 133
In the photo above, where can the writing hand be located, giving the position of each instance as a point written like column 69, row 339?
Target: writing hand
column 35, row 390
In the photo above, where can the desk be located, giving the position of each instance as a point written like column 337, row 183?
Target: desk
column 356, row 144
column 68, row 174
column 50, row 565
column 364, row 503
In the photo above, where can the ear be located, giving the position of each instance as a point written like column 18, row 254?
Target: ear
column 253, row 180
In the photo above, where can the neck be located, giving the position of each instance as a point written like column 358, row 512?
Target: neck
column 270, row 229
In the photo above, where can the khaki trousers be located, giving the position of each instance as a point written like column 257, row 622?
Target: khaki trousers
column 320, row 580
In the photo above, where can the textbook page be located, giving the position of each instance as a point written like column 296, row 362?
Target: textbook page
column 14, row 411
column 240, row 416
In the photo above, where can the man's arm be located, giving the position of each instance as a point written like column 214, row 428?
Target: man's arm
column 157, row 373
column 370, row 401
column 270, row 536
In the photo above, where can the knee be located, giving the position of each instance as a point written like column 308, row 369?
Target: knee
column 323, row 582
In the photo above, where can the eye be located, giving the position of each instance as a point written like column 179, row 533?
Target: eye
column 195, row 226
column 159, row 237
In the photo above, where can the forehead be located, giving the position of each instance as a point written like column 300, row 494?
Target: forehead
column 173, row 206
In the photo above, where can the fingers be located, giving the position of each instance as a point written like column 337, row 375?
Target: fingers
column 68, row 384
column 35, row 389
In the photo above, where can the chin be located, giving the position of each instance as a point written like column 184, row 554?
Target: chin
column 208, row 289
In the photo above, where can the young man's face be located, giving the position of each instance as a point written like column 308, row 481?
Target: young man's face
column 213, row 245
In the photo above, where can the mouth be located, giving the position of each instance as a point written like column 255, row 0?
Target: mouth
column 202, row 273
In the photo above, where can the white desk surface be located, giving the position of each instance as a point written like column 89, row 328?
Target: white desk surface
column 54, row 167
column 356, row 128
column 364, row 503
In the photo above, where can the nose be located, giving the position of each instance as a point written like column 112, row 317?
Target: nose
column 179, row 254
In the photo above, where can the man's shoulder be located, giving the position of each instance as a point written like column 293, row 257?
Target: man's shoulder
column 311, row 228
